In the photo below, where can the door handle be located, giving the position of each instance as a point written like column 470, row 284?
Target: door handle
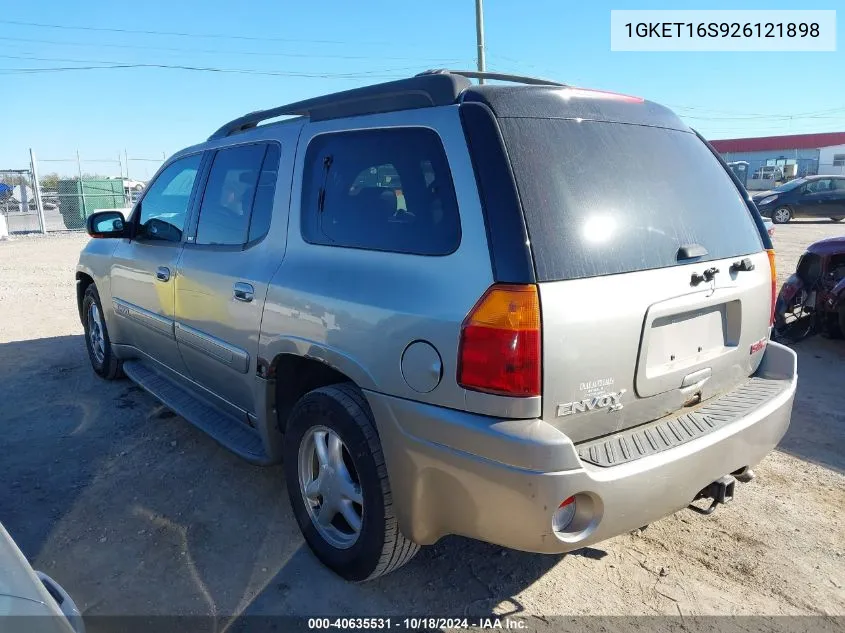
column 243, row 292
column 163, row 273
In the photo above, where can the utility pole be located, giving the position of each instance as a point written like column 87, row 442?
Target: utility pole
column 36, row 190
column 479, row 37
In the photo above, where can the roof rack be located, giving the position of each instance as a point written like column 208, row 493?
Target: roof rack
column 421, row 91
column 427, row 89
column 478, row 74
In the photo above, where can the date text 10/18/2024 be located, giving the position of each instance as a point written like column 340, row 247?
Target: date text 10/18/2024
column 415, row 623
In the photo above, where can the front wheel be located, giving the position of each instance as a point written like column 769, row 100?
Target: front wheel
column 103, row 361
column 338, row 485
column 782, row 215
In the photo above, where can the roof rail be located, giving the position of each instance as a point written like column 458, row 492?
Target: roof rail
column 477, row 74
column 425, row 90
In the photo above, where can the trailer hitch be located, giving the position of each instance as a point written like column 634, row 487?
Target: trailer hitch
column 720, row 491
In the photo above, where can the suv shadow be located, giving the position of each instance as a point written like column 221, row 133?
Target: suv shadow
column 817, row 431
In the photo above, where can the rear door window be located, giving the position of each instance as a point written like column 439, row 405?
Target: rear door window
column 386, row 190
column 605, row 198
column 238, row 200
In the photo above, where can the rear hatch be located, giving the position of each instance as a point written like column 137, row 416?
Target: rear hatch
column 635, row 231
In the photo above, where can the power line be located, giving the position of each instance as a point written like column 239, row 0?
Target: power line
column 756, row 114
column 423, row 60
column 114, row 63
column 242, row 71
column 226, row 36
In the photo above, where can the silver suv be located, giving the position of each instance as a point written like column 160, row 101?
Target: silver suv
column 533, row 314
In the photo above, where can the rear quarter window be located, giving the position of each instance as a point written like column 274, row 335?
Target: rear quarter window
column 606, row 198
column 385, row 190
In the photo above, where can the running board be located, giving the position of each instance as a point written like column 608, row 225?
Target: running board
column 229, row 432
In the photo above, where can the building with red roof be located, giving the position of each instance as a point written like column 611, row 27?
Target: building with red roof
column 791, row 155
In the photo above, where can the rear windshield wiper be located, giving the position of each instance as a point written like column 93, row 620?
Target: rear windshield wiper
column 691, row 251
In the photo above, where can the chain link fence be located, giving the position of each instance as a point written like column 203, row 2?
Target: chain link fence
column 18, row 204
column 58, row 194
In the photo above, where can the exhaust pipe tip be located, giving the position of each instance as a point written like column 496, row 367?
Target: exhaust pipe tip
column 744, row 475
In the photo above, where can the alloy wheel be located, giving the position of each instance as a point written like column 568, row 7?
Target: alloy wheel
column 95, row 333
column 330, row 488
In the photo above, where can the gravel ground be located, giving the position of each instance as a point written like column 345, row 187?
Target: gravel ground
column 136, row 512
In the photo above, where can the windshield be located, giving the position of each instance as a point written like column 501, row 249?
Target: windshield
column 789, row 186
column 604, row 198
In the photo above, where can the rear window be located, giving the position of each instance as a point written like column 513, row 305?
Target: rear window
column 606, row 198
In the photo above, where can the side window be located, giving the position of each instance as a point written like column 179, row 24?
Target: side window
column 839, row 185
column 165, row 204
column 818, row 186
column 262, row 208
column 386, row 190
column 229, row 195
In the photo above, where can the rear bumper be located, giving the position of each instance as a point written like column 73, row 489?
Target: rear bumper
column 501, row 480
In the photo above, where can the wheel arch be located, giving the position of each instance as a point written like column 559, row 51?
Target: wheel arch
column 292, row 366
column 83, row 281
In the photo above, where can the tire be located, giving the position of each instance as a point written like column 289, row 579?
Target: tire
column 103, row 361
column 839, row 219
column 781, row 215
column 379, row 547
column 842, row 320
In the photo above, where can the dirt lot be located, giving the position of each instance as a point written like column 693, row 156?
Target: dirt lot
column 135, row 511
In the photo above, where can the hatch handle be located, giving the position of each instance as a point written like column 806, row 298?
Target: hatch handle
column 707, row 275
column 744, row 264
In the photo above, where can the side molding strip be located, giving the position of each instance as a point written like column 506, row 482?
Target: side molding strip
column 151, row 320
column 213, row 347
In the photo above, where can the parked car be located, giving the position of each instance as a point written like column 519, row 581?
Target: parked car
column 29, row 600
column 813, row 196
column 529, row 352
column 813, row 297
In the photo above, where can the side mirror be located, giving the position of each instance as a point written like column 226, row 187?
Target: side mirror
column 106, row 224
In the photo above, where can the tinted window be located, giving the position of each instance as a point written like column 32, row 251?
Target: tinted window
column 789, row 186
column 387, row 190
column 262, row 207
column 604, row 198
column 818, row 186
column 229, row 194
column 165, row 204
column 839, row 184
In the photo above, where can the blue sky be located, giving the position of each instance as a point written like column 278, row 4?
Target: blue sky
column 150, row 111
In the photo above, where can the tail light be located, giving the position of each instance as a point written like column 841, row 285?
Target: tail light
column 499, row 350
column 771, row 254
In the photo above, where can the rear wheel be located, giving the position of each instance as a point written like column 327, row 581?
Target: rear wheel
column 338, row 486
column 103, row 361
column 782, row 215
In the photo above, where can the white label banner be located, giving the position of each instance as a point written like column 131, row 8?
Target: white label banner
column 723, row 30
